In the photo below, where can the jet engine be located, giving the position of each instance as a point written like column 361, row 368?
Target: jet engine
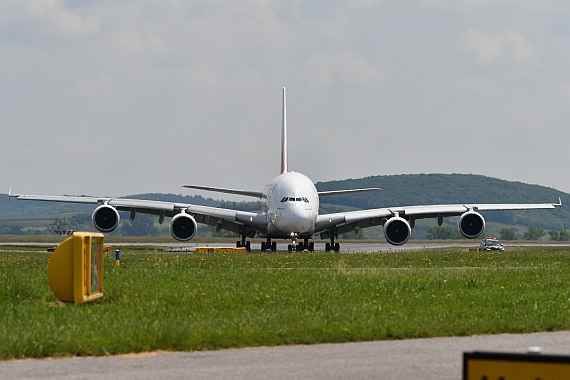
column 183, row 227
column 397, row 230
column 105, row 218
column 471, row 224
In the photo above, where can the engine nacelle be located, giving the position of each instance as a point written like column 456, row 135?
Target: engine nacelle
column 105, row 218
column 397, row 230
column 471, row 224
column 183, row 227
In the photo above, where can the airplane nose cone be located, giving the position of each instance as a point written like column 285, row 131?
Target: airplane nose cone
column 295, row 219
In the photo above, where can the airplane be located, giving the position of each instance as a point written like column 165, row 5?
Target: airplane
column 290, row 211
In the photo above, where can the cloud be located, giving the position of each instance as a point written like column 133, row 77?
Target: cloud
column 473, row 5
column 564, row 91
column 479, row 85
column 346, row 67
column 491, row 49
column 52, row 17
column 101, row 85
column 185, row 80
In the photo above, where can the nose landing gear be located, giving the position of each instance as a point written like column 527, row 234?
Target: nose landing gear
column 301, row 246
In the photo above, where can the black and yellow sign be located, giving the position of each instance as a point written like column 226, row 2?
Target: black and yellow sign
column 75, row 269
column 512, row 366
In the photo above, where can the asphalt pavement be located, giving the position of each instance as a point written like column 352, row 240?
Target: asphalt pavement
column 428, row 359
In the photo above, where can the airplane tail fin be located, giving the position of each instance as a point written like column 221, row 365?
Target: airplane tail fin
column 284, row 160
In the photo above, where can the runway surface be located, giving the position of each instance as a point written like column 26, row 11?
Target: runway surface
column 428, row 359
column 353, row 246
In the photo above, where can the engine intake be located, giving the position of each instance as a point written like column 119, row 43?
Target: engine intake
column 397, row 230
column 105, row 218
column 183, row 227
column 471, row 224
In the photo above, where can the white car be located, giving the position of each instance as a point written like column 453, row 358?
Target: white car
column 491, row 244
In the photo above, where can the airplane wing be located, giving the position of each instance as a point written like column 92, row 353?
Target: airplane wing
column 247, row 193
column 221, row 218
column 405, row 217
column 341, row 192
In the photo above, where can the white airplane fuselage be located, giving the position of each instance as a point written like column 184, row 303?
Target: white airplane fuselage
column 291, row 206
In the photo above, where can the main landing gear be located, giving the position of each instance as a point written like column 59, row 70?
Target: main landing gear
column 245, row 244
column 265, row 245
column 332, row 246
column 245, row 233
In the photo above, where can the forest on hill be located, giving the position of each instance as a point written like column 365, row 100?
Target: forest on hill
column 19, row 217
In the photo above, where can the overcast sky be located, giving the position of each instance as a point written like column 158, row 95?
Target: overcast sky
column 126, row 97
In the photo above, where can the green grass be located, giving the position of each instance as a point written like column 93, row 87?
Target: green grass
column 168, row 301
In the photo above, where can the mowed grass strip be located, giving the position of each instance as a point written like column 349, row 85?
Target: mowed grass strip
column 180, row 301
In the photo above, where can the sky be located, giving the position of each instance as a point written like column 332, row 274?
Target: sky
column 127, row 97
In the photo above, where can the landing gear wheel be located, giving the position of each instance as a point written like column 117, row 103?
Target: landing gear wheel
column 263, row 247
column 311, row 247
column 336, row 247
column 327, row 247
column 274, row 246
column 248, row 246
column 289, row 248
column 238, row 244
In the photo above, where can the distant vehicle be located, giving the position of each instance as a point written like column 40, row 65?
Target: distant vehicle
column 491, row 244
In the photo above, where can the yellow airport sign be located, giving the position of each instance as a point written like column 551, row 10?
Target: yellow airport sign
column 75, row 269
column 220, row 250
column 512, row 366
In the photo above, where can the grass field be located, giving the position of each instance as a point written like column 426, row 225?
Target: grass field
column 181, row 301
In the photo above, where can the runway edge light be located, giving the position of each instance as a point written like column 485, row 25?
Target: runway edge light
column 75, row 269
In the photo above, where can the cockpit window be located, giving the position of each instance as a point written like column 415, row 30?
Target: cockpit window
column 293, row 199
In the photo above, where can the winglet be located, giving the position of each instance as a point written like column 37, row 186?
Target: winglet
column 559, row 204
column 284, row 160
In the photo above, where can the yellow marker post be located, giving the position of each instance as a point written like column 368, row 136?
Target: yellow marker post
column 75, row 269
column 515, row 366
column 220, row 250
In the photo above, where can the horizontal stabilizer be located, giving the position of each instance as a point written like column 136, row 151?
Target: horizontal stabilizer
column 343, row 192
column 255, row 194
